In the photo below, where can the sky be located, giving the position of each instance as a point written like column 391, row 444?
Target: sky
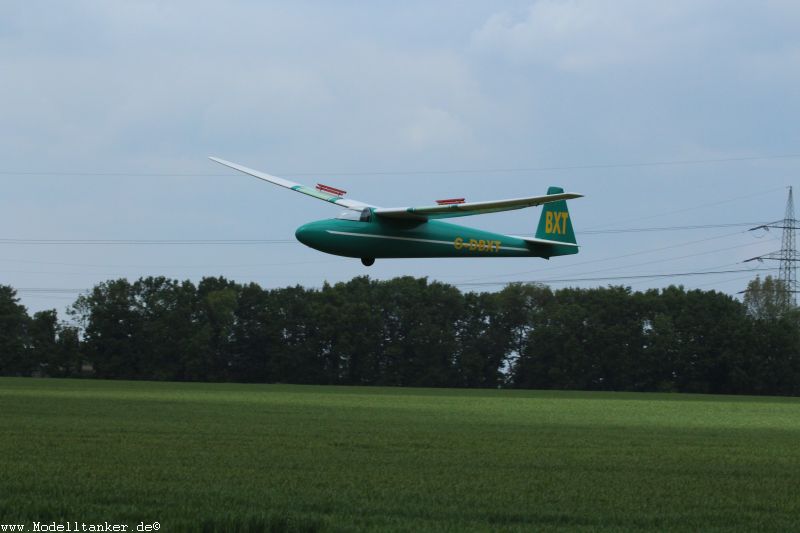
column 663, row 114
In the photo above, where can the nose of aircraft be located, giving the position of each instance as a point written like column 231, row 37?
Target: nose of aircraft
column 309, row 234
column 302, row 234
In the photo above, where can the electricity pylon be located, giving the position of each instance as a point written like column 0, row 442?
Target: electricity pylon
column 787, row 255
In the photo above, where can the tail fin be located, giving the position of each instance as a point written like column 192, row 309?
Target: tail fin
column 555, row 223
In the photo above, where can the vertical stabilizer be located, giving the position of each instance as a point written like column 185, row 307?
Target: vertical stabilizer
column 555, row 223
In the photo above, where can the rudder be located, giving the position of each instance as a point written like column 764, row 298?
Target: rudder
column 555, row 223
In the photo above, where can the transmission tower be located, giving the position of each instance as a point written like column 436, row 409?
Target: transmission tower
column 787, row 255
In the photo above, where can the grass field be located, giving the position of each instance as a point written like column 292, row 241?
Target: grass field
column 220, row 457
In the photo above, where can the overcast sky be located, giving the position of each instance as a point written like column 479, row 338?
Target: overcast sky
column 110, row 109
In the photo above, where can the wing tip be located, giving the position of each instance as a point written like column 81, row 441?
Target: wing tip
column 232, row 165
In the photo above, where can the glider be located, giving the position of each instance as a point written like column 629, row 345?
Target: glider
column 370, row 232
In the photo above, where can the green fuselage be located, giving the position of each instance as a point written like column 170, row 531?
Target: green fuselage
column 393, row 238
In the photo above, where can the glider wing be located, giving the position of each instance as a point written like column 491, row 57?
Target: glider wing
column 471, row 208
column 319, row 194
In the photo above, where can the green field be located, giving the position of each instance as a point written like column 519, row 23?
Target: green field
column 224, row 457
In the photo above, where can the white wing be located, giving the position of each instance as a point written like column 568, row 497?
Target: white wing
column 413, row 213
column 327, row 197
column 471, row 208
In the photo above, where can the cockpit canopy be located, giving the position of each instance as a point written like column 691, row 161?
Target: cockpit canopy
column 364, row 215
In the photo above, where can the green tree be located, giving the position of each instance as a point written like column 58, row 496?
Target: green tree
column 42, row 338
column 54, row 347
column 521, row 308
column 411, row 332
column 349, row 318
column 481, row 347
column 113, row 340
column 585, row 339
column 215, row 320
column 709, row 335
column 13, row 334
column 299, row 359
column 494, row 330
column 255, row 336
column 419, row 332
column 774, row 364
column 167, row 310
column 67, row 359
column 767, row 299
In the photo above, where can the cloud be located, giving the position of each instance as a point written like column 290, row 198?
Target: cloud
column 582, row 35
column 153, row 78
column 431, row 128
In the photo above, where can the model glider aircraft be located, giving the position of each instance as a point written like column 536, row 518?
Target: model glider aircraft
column 370, row 232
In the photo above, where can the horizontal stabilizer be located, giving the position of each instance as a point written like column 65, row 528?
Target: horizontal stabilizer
column 534, row 240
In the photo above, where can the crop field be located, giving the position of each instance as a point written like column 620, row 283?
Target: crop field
column 225, row 457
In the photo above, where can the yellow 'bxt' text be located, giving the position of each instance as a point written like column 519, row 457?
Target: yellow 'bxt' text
column 556, row 222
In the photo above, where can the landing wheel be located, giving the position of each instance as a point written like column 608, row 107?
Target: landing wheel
column 367, row 261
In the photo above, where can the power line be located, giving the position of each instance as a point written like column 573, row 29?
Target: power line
column 48, row 290
column 659, row 261
column 293, row 241
column 615, row 278
column 46, row 296
column 149, row 241
column 62, row 290
column 418, row 172
column 724, row 266
column 612, row 258
column 175, row 267
column 720, row 282
column 665, row 228
column 654, row 261
column 749, row 196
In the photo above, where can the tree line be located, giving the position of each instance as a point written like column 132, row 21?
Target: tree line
column 413, row 332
